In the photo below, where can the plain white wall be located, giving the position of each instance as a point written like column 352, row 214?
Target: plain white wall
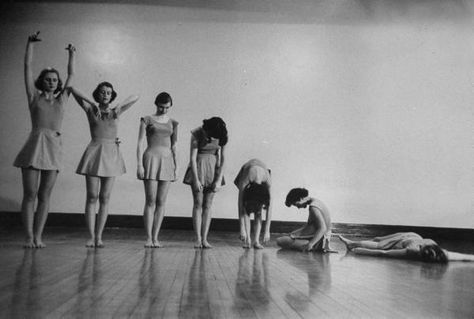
column 366, row 104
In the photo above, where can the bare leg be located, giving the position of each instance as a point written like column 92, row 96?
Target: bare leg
column 351, row 244
column 247, row 231
column 206, row 217
column 197, row 217
column 106, row 185
column 92, row 196
column 48, row 179
column 163, row 187
column 30, row 179
column 286, row 242
column 150, row 202
column 258, row 227
column 242, row 235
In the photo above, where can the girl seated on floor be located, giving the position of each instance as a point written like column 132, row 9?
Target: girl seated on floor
column 407, row 245
column 316, row 233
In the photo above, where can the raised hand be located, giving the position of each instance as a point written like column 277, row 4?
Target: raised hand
column 71, row 48
column 34, row 37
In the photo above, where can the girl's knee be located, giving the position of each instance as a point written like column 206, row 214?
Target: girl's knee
column 150, row 201
column 284, row 241
column 30, row 195
column 92, row 198
column 104, row 198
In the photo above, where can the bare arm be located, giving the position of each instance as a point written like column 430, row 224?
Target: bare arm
column 220, row 169
column 394, row 253
column 296, row 234
column 70, row 67
column 82, row 100
column 29, row 82
column 174, row 140
column 140, row 148
column 453, row 256
column 268, row 219
column 193, row 160
column 126, row 104
column 317, row 217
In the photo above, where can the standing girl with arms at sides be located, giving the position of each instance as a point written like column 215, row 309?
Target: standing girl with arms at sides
column 205, row 173
column 102, row 160
column 157, row 165
column 41, row 156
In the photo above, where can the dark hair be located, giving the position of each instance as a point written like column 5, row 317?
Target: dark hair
column 255, row 196
column 295, row 195
column 215, row 127
column 39, row 83
column 433, row 254
column 95, row 94
column 163, row 98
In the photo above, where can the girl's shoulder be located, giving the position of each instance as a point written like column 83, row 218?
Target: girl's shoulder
column 173, row 122
column 146, row 119
column 198, row 133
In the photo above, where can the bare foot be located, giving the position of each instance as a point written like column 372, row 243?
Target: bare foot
column 246, row 246
column 29, row 244
column 99, row 243
column 205, row 244
column 257, row 246
column 90, row 243
column 198, row 244
column 349, row 243
column 149, row 243
column 39, row 243
column 157, row 244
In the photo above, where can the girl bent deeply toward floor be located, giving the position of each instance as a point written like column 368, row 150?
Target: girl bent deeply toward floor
column 102, row 160
column 254, row 184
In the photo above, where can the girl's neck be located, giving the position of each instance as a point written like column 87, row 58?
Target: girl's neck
column 48, row 95
column 161, row 118
column 104, row 107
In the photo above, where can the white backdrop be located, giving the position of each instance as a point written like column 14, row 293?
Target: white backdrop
column 370, row 108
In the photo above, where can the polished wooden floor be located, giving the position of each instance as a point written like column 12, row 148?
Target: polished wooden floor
column 124, row 280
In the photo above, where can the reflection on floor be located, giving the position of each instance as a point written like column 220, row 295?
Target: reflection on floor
column 126, row 280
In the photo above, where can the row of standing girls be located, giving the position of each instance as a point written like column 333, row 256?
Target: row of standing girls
column 41, row 156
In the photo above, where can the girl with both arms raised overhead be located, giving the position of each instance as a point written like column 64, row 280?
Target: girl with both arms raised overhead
column 41, row 156
column 102, row 160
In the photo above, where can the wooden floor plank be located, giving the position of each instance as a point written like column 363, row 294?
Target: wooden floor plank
column 125, row 280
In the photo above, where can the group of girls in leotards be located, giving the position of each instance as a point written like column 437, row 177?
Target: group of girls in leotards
column 101, row 162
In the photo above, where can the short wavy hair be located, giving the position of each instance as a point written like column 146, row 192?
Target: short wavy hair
column 295, row 195
column 254, row 197
column 216, row 127
column 163, row 98
column 39, row 83
column 433, row 254
column 95, row 94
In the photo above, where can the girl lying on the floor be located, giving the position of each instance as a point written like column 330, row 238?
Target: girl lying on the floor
column 404, row 245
